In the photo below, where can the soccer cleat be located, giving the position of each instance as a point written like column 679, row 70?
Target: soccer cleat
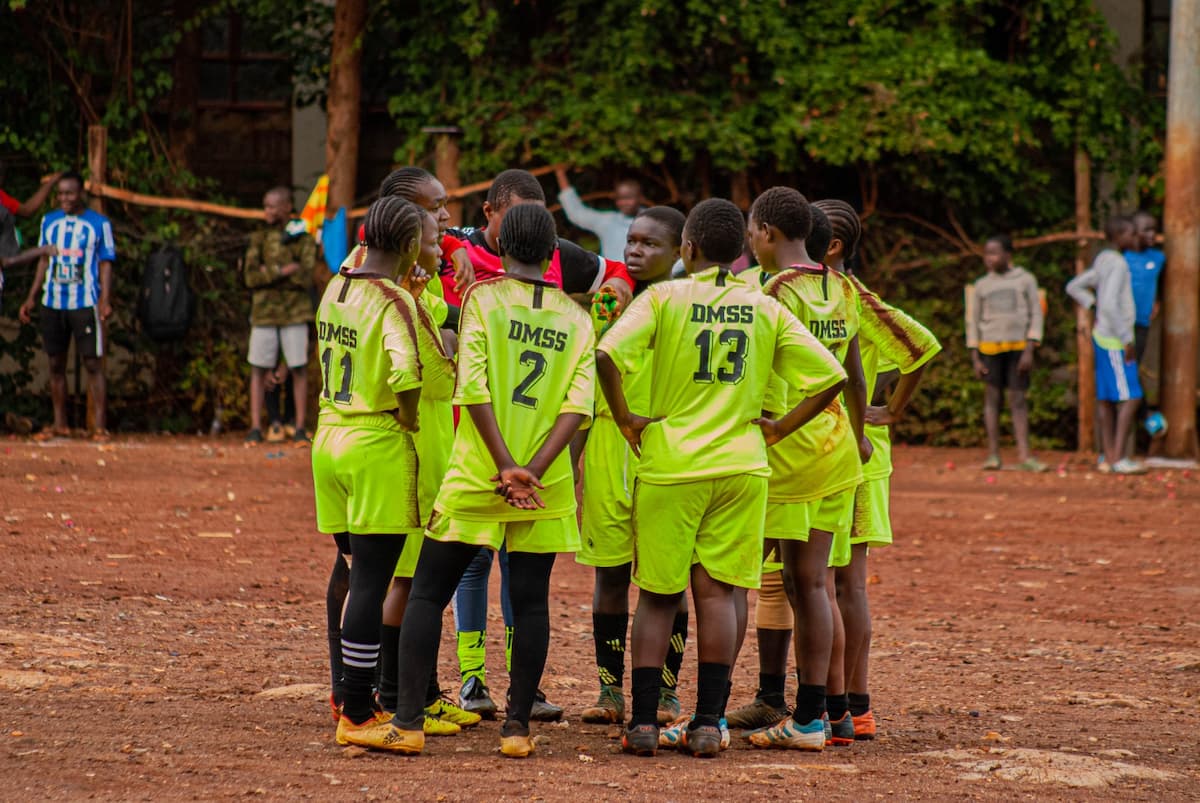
column 756, row 715
column 447, row 711
column 254, row 436
column 791, row 735
column 543, row 710
column 432, row 726
column 609, row 708
column 335, row 706
column 301, row 436
column 1128, row 466
column 702, row 741
column 864, row 727
column 672, row 735
column 641, row 740
column 376, row 735
column 828, row 727
column 841, row 731
column 517, row 746
column 275, row 433
column 475, row 699
column 668, row 706
column 726, row 739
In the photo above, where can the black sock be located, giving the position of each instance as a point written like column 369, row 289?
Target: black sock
column 711, row 689
column 529, row 593
column 770, row 689
column 434, row 690
column 670, row 673
column 810, row 703
column 389, row 666
column 335, row 600
column 728, row 693
column 645, row 683
column 359, row 661
column 837, row 705
column 608, row 630
column 859, row 704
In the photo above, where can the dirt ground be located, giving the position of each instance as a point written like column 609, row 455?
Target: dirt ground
column 163, row 638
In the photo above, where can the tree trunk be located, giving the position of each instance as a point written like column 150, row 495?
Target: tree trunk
column 1181, row 229
column 344, row 102
column 1086, row 357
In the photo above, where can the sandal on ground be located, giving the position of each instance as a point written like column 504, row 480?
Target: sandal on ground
column 992, row 463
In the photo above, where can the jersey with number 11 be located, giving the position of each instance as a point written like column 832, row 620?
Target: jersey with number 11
column 367, row 345
column 527, row 349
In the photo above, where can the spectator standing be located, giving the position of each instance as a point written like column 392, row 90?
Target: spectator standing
column 610, row 226
column 279, row 270
column 1004, row 328
column 1145, row 266
column 75, row 283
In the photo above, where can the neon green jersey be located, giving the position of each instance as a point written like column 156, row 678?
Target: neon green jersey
column 888, row 339
column 433, row 297
column 367, row 343
column 716, row 341
column 821, row 459
column 527, row 349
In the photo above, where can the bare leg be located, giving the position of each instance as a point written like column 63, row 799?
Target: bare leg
column 257, row 394
column 299, row 395
column 1105, row 415
column 991, row 418
column 58, row 389
column 1126, row 417
column 856, row 613
column 836, row 682
column 804, row 569
column 1020, row 417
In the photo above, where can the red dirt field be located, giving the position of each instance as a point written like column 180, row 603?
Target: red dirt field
column 1036, row 637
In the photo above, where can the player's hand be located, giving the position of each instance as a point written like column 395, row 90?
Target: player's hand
column 519, row 486
column 770, row 429
column 1025, row 363
column 105, row 310
column 290, row 269
column 880, row 416
column 632, row 428
column 1130, row 354
column 622, row 291
column 25, row 313
column 865, row 448
column 606, row 306
column 980, row 369
column 464, row 271
column 414, row 281
column 412, row 427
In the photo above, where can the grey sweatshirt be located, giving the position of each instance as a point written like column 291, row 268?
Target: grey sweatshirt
column 610, row 227
column 1106, row 286
column 1006, row 309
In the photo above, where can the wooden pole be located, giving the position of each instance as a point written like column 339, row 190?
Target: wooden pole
column 1181, row 229
column 445, row 162
column 344, row 103
column 98, row 168
column 1086, row 361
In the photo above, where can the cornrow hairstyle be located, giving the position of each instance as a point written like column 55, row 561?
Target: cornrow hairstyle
column 718, row 229
column 785, row 209
column 528, row 234
column 846, row 225
column 669, row 218
column 818, row 239
column 392, row 224
column 514, row 184
column 1002, row 240
column 404, row 182
column 1117, row 224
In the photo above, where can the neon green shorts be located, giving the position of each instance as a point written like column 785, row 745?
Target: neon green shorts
column 717, row 523
column 527, row 535
column 608, row 473
column 872, row 513
column 365, row 477
column 792, row 521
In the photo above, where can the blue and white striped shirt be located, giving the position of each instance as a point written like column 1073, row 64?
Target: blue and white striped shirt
column 83, row 242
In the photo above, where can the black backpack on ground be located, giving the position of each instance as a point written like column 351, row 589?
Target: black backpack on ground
column 167, row 303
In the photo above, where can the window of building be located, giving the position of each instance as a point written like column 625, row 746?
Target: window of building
column 1157, row 36
column 239, row 67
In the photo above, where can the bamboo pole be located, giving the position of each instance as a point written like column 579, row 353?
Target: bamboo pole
column 1086, row 361
column 98, row 168
column 1181, row 227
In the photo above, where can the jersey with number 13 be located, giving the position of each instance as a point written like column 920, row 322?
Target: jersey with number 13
column 527, row 349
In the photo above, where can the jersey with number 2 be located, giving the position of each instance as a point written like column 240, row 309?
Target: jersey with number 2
column 527, row 349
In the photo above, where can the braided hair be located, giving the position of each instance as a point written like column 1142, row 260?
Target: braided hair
column 846, row 225
column 514, row 184
column 528, row 234
column 392, row 224
column 818, row 239
column 669, row 218
column 785, row 209
column 405, row 182
column 718, row 229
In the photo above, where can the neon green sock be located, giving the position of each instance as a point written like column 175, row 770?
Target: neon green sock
column 472, row 654
column 508, row 635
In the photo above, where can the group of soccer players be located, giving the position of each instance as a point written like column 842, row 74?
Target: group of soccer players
column 721, row 427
